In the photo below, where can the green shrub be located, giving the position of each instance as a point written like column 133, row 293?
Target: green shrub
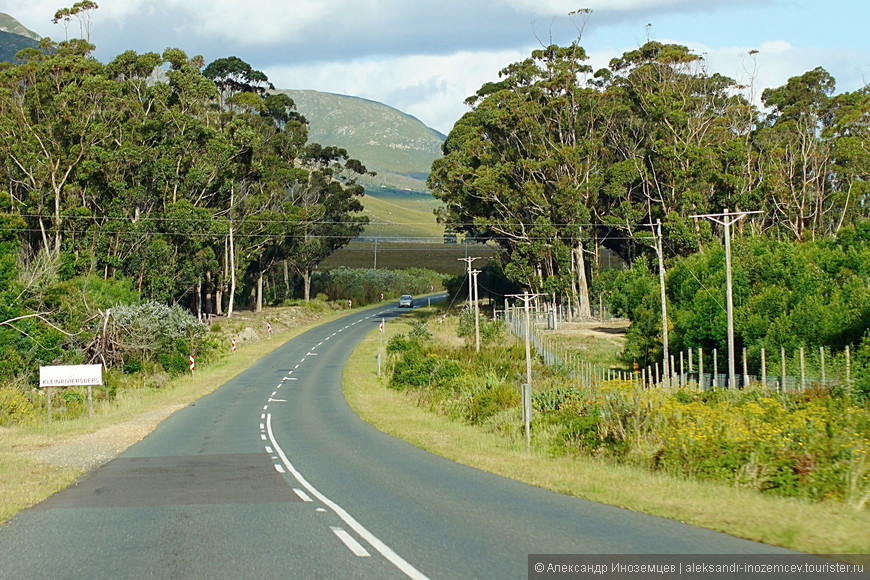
column 493, row 399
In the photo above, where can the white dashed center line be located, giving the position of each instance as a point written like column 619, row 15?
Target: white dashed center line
column 351, row 543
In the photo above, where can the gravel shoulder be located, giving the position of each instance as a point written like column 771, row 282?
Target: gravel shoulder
column 89, row 451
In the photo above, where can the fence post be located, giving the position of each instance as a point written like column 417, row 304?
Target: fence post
column 782, row 352
column 822, row 364
column 763, row 369
column 715, row 368
column 691, row 366
column 848, row 369
column 745, row 368
column 803, row 371
column 682, row 380
column 700, row 369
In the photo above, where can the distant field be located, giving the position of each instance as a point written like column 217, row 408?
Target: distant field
column 402, row 216
column 442, row 258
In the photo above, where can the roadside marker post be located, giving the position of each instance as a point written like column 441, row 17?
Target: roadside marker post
column 234, row 345
column 269, row 329
column 380, row 343
column 192, row 364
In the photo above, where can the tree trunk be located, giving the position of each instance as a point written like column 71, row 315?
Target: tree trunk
column 208, row 297
column 286, row 281
column 199, row 297
column 259, row 307
column 582, row 286
column 306, row 282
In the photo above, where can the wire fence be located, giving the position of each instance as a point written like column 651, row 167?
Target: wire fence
column 697, row 369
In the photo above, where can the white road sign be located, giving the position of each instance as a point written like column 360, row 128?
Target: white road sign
column 70, row 375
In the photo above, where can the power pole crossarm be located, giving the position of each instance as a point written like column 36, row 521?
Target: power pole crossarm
column 727, row 219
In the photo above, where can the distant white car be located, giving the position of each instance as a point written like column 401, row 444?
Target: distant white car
column 406, row 300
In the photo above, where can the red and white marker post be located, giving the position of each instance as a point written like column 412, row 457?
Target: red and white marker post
column 269, row 329
column 234, row 345
column 192, row 364
column 380, row 343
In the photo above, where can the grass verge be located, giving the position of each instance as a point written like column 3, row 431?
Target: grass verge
column 26, row 477
column 821, row 528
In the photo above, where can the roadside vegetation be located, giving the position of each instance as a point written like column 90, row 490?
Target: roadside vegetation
column 742, row 461
column 30, row 470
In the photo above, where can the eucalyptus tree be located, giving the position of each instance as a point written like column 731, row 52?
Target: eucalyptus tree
column 523, row 167
column 55, row 109
column 83, row 12
column 114, row 183
column 799, row 199
column 329, row 207
column 849, row 135
column 232, row 75
column 673, row 125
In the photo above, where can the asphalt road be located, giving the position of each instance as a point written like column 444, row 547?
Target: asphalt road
column 273, row 475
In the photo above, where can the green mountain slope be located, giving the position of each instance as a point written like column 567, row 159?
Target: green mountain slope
column 11, row 25
column 14, row 37
column 397, row 146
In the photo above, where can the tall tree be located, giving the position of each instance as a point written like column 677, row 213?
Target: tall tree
column 798, row 197
column 54, row 110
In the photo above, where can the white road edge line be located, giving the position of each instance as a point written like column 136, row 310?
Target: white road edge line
column 375, row 543
column 351, row 543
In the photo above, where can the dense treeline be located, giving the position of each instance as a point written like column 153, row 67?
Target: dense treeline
column 553, row 155
column 181, row 179
column 147, row 190
column 787, row 295
column 555, row 161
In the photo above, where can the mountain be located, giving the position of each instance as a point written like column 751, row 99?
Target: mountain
column 399, row 147
column 14, row 37
column 395, row 145
column 12, row 26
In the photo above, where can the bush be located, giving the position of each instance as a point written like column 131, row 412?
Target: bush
column 365, row 285
column 16, row 408
column 170, row 334
column 493, row 399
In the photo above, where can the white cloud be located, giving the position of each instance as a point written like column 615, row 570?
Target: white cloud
column 776, row 61
column 564, row 7
column 429, row 87
column 427, row 56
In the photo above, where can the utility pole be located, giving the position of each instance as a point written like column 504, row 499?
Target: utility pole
column 726, row 219
column 474, row 273
column 527, row 388
column 469, row 261
column 376, row 254
column 666, row 365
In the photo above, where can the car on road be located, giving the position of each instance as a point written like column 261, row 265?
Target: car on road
column 406, row 301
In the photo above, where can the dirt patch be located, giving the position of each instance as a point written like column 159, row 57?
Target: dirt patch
column 581, row 335
column 89, row 451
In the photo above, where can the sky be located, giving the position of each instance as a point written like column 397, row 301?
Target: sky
column 425, row 57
